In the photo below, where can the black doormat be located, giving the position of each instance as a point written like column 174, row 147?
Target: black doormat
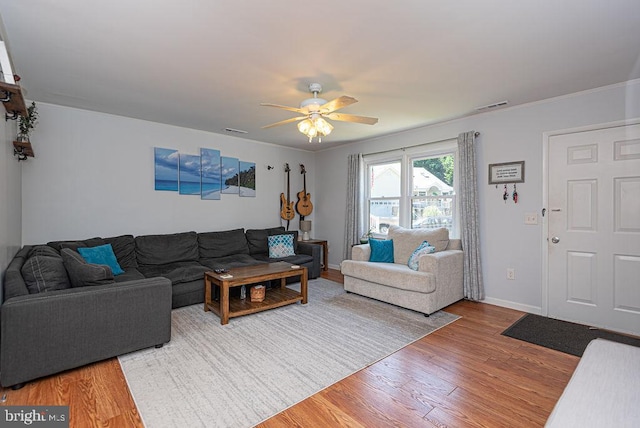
column 562, row 336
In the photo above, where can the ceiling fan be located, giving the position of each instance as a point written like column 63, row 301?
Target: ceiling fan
column 315, row 110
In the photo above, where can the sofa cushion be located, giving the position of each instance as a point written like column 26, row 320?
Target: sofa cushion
column 221, row 244
column 257, row 239
column 178, row 272
column 13, row 284
column 298, row 259
column 101, row 255
column 281, row 246
column 390, row 274
column 124, row 247
column 82, row 273
column 167, row 248
column 405, row 241
column 131, row 274
column 45, row 273
column 43, row 250
column 381, row 250
column 228, row 262
column 424, row 248
column 74, row 245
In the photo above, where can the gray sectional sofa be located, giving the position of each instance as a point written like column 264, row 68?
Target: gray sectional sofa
column 48, row 326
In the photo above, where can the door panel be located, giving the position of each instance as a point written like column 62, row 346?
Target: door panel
column 594, row 218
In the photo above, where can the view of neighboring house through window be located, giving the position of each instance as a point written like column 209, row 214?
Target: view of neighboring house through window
column 415, row 191
column 433, row 195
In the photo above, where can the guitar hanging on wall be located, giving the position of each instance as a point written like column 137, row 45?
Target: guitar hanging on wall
column 286, row 207
column 304, row 205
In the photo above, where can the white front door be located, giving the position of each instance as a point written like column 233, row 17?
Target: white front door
column 594, row 228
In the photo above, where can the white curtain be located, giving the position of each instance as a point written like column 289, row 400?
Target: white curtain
column 353, row 217
column 469, row 227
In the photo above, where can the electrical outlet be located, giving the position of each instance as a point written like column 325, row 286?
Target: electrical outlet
column 511, row 273
column 531, row 218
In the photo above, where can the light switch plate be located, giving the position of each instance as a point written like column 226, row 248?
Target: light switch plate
column 531, row 218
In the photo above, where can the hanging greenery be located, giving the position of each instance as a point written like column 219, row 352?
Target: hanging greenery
column 28, row 123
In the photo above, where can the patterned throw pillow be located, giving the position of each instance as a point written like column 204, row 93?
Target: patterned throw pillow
column 281, row 246
column 424, row 248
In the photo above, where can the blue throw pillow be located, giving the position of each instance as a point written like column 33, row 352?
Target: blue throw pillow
column 281, row 246
column 424, row 248
column 101, row 255
column 381, row 250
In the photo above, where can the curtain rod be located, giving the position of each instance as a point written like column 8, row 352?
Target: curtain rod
column 416, row 145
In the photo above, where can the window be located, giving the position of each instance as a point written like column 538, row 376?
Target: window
column 433, row 195
column 412, row 189
column 384, row 195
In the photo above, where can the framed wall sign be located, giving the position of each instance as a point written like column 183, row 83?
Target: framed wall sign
column 507, row 172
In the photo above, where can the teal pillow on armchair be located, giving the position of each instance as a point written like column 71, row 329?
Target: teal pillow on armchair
column 381, row 250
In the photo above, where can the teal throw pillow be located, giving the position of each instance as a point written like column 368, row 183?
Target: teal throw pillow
column 281, row 246
column 381, row 250
column 424, row 248
column 101, row 255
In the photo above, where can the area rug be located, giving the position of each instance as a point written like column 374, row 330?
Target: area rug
column 563, row 336
column 242, row 373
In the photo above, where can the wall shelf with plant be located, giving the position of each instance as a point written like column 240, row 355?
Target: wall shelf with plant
column 26, row 123
column 13, row 100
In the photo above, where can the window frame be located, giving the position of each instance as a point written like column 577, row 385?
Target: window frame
column 406, row 157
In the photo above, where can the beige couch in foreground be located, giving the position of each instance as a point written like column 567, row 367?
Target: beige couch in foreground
column 437, row 282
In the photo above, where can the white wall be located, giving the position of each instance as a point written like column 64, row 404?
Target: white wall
column 10, row 202
column 93, row 175
column 511, row 134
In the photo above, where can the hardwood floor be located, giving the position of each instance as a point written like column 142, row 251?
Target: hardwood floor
column 463, row 375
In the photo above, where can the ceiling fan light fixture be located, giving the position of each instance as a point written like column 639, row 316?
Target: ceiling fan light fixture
column 323, row 127
column 315, row 126
column 314, row 110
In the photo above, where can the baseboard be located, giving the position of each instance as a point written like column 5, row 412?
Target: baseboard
column 513, row 305
column 336, row 267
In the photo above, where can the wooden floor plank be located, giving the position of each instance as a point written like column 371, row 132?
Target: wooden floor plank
column 464, row 375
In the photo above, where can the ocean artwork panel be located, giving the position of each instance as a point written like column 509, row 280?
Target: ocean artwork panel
column 247, row 179
column 189, row 174
column 210, row 168
column 229, row 173
column 166, row 169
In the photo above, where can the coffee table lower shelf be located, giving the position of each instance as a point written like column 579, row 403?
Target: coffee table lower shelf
column 227, row 306
column 274, row 298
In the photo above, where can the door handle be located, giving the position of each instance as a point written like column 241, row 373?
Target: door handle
column 555, row 239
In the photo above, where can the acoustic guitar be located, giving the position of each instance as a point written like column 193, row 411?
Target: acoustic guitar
column 304, row 205
column 286, row 207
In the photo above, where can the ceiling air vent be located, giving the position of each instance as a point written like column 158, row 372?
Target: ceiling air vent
column 492, row 106
column 237, row 131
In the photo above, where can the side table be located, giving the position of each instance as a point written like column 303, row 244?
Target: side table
column 325, row 251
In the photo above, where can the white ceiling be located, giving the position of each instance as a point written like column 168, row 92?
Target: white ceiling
column 207, row 64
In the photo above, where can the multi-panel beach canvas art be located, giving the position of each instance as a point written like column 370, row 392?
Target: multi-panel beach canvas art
column 166, row 169
column 208, row 175
column 189, row 174
column 247, row 179
column 230, row 175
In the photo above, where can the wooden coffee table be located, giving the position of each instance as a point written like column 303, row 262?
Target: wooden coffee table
column 228, row 307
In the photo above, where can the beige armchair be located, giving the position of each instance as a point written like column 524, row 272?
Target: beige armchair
column 437, row 282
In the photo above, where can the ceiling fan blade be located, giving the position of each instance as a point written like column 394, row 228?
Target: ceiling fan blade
column 337, row 104
column 352, row 118
column 284, row 122
column 297, row 110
